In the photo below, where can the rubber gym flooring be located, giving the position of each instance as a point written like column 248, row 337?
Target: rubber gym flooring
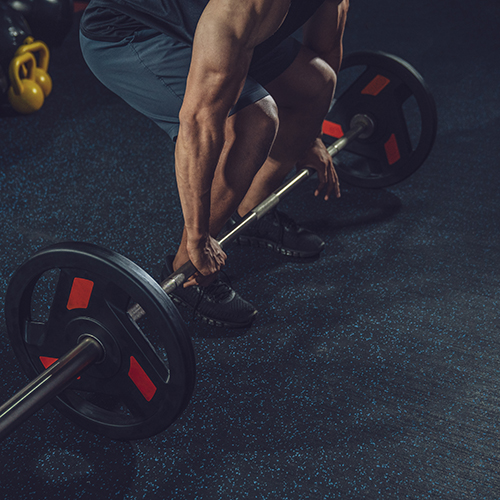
column 372, row 373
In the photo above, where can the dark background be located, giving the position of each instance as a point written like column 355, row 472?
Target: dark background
column 371, row 373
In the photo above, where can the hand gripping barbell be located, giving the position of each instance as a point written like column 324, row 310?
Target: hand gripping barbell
column 112, row 353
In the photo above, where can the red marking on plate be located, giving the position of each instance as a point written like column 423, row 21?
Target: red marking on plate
column 392, row 150
column 376, row 86
column 79, row 296
column 332, row 129
column 46, row 361
column 141, row 379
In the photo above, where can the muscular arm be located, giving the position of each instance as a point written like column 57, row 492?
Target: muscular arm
column 323, row 33
column 227, row 33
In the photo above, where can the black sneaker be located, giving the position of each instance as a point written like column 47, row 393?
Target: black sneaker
column 278, row 232
column 217, row 304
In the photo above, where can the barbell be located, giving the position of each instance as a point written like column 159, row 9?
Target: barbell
column 102, row 340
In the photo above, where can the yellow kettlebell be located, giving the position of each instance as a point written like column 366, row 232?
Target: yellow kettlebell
column 25, row 95
column 41, row 70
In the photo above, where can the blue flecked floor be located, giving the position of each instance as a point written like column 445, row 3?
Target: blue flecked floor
column 372, row 373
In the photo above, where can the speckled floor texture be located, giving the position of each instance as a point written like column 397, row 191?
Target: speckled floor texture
column 372, row 373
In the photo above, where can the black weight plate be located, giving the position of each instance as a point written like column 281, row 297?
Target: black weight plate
column 68, row 290
column 394, row 95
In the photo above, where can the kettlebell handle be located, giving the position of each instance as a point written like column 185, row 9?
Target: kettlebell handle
column 36, row 46
column 15, row 68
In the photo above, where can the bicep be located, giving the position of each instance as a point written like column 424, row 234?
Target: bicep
column 226, row 35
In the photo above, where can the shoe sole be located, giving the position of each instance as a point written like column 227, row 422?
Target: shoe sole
column 211, row 321
column 248, row 241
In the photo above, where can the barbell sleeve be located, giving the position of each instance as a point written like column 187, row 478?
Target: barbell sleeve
column 48, row 384
column 361, row 125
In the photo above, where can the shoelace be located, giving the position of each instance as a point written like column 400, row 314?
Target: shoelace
column 218, row 289
column 285, row 220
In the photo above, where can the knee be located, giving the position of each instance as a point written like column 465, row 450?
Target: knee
column 320, row 81
column 266, row 118
column 327, row 78
column 259, row 119
column 308, row 84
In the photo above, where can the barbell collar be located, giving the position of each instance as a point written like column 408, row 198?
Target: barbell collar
column 48, row 384
column 362, row 126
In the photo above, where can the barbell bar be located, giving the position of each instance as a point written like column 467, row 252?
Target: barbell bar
column 361, row 125
column 48, row 384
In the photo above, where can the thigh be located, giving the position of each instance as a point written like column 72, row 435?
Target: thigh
column 148, row 70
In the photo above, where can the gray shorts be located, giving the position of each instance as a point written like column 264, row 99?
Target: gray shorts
column 149, row 71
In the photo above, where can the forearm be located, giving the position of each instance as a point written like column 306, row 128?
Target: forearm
column 199, row 146
column 213, row 86
column 196, row 155
column 223, row 46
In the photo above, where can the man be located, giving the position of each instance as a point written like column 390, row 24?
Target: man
column 244, row 102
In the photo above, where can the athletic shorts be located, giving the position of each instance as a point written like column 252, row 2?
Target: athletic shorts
column 149, row 70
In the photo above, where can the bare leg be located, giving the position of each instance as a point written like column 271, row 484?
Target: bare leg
column 303, row 94
column 250, row 134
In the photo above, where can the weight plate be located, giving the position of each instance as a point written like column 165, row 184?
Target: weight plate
column 394, row 95
column 147, row 377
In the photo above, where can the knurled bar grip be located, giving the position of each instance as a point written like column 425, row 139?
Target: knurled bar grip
column 360, row 125
column 48, row 384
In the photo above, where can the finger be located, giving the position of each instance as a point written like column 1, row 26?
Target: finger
column 337, row 188
column 329, row 183
column 191, row 281
column 322, row 178
column 329, row 189
column 200, row 280
column 319, row 188
column 222, row 257
column 332, row 175
column 333, row 180
column 336, row 182
column 209, row 267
